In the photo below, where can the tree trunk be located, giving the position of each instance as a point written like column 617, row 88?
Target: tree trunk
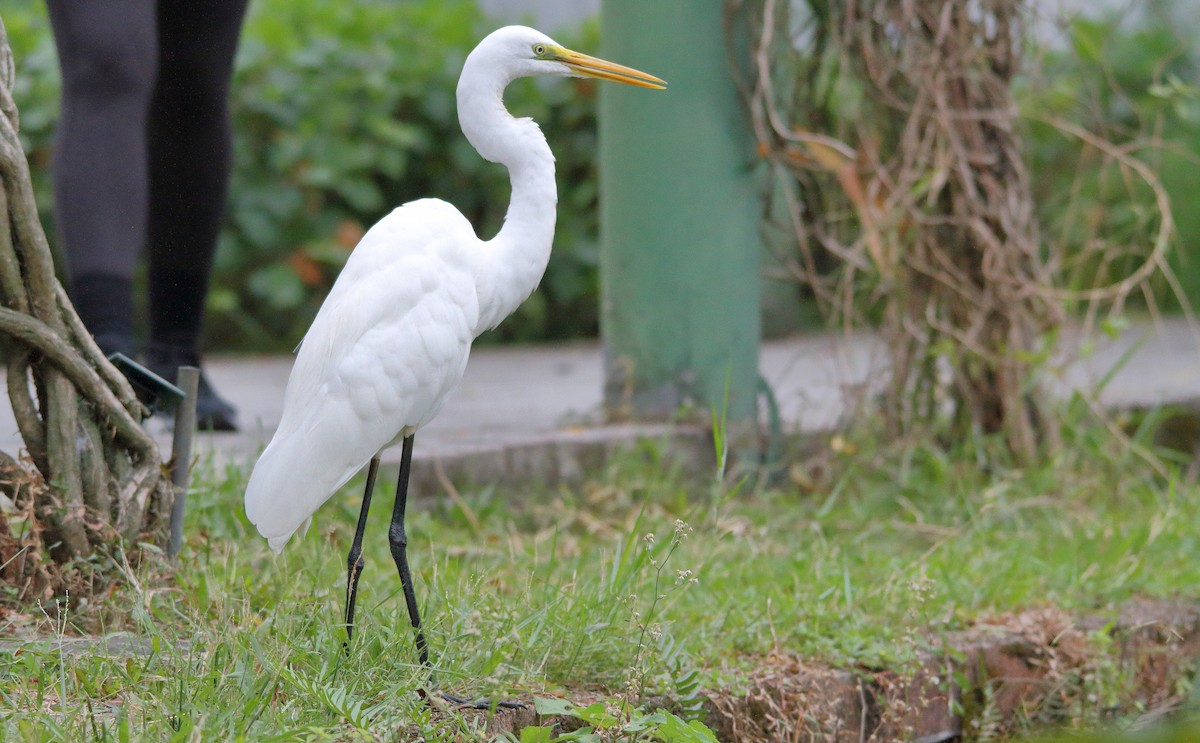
column 93, row 477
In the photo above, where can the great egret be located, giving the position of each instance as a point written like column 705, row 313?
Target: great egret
column 391, row 341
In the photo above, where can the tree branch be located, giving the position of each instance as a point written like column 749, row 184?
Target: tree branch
column 8, row 75
column 38, row 335
column 86, row 343
column 29, row 420
column 64, row 472
column 82, row 428
column 27, row 235
column 10, row 272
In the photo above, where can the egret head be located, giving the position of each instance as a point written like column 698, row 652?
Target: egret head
column 524, row 52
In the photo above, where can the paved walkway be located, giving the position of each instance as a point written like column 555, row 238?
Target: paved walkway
column 539, row 397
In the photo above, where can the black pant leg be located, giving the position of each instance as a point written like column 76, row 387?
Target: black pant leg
column 190, row 158
column 108, row 55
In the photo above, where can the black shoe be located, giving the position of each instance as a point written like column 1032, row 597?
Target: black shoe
column 212, row 412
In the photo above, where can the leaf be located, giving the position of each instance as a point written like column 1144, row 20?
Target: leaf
column 278, row 285
column 674, row 730
column 361, row 194
column 847, row 98
column 1088, row 39
column 553, row 706
column 597, row 714
column 306, row 269
column 537, row 734
column 349, row 233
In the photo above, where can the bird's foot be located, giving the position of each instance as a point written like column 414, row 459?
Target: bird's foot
column 459, row 702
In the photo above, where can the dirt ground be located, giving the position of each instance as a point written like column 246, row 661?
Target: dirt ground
column 1006, row 675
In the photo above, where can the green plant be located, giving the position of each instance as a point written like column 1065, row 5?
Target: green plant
column 612, row 721
column 647, row 625
column 686, row 680
column 1122, row 78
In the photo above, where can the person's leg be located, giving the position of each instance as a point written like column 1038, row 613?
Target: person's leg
column 108, row 55
column 190, row 158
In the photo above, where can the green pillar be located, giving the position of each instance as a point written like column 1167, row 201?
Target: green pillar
column 680, row 252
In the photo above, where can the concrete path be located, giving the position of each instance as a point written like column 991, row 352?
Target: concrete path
column 533, row 410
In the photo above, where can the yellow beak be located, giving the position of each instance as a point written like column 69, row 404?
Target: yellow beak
column 584, row 66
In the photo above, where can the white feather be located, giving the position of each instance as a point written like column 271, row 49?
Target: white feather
column 391, row 341
column 387, row 347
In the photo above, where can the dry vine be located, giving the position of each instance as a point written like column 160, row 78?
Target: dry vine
column 92, row 476
column 903, row 197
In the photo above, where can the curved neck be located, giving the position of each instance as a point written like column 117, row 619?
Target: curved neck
column 511, row 263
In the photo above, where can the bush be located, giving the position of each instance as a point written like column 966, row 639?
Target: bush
column 343, row 111
column 1121, row 78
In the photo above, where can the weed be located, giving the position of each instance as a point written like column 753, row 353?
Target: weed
column 613, row 720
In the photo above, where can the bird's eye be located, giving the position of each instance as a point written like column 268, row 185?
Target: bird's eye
column 539, row 49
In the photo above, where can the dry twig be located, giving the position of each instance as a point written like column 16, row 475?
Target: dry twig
column 892, row 136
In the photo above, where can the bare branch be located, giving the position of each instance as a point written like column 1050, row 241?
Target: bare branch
column 29, row 420
column 64, row 473
column 87, row 379
column 11, row 285
column 87, row 344
column 82, row 426
column 908, row 193
column 8, row 75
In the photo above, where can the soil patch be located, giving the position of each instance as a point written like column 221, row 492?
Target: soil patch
column 1006, row 674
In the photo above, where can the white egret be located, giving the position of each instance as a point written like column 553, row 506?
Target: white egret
column 391, row 341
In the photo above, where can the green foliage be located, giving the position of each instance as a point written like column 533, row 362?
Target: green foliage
column 343, row 111
column 604, row 722
column 686, row 681
column 1120, row 77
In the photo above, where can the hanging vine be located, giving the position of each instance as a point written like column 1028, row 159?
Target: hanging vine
column 900, row 197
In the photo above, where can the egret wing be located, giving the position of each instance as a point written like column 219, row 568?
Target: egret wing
column 387, row 347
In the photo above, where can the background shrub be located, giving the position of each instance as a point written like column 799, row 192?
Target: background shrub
column 1129, row 78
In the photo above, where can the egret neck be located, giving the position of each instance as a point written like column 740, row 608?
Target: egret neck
column 515, row 259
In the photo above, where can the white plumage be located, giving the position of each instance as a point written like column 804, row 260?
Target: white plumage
column 389, row 344
column 392, row 339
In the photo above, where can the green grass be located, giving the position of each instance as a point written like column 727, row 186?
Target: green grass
column 556, row 592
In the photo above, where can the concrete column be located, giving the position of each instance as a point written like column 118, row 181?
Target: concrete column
column 680, row 251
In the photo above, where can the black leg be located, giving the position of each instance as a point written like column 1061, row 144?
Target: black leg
column 398, row 541
column 354, row 561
